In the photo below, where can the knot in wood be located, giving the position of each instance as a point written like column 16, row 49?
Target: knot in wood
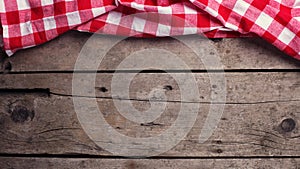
column 288, row 125
column 20, row 114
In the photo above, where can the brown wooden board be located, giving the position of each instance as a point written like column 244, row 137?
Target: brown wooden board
column 257, row 121
column 259, row 127
column 244, row 88
column 61, row 54
column 83, row 163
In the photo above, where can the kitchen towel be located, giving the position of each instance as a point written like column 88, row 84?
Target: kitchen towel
column 27, row 23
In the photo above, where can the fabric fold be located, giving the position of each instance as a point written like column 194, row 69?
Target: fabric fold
column 28, row 23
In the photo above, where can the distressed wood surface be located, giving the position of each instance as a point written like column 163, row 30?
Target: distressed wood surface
column 54, row 163
column 259, row 127
column 61, row 54
column 257, row 121
column 34, row 124
column 241, row 87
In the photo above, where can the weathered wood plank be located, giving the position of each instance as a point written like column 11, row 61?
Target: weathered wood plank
column 241, row 87
column 37, row 124
column 61, row 54
column 54, row 163
column 252, row 122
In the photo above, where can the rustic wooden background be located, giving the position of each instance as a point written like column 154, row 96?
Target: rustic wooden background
column 259, row 127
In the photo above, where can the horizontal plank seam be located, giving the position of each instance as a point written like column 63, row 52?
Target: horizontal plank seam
column 78, row 156
column 157, row 71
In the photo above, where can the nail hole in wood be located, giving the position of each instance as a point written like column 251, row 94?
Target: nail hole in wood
column 219, row 151
column 103, row 89
column 217, row 141
column 168, row 87
column 288, row 125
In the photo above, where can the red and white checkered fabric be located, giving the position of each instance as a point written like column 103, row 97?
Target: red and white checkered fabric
column 27, row 23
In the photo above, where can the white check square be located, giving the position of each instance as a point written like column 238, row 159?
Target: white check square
column 47, row 2
column 5, row 31
column 138, row 24
column 188, row 10
column 264, row 21
column 190, row 30
column 114, row 18
column 286, row 36
column 231, row 26
column 73, row 18
column 211, row 11
column 26, row 28
column 137, row 6
column 163, row 30
column 98, row 11
column 241, row 7
column 2, row 6
column 49, row 23
column 23, row 4
column 164, row 10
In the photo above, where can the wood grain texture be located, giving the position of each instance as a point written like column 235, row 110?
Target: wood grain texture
column 259, row 128
column 38, row 124
column 61, row 53
column 54, row 163
column 257, row 121
column 244, row 88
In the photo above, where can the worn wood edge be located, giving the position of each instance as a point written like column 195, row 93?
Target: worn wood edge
column 82, row 163
column 246, row 88
column 61, row 53
column 35, row 124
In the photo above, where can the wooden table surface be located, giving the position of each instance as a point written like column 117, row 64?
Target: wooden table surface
column 259, row 127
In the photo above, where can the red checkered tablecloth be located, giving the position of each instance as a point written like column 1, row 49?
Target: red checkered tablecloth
column 27, row 23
